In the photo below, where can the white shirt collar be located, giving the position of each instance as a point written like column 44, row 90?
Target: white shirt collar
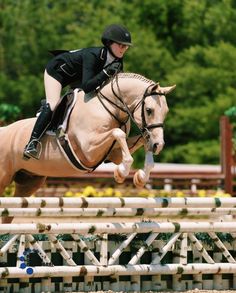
column 110, row 58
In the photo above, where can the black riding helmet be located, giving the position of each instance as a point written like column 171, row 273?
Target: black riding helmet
column 116, row 33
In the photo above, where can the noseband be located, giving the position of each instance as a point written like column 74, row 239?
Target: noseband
column 144, row 129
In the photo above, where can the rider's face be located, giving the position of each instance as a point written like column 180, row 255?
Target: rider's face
column 119, row 49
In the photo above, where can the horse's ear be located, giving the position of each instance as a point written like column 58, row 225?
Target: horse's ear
column 153, row 88
column 166, row 90
column 157, row 88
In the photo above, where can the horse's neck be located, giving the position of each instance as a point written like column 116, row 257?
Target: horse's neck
column 126, row 89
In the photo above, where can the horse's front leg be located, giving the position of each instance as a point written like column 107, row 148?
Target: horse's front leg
column 122, row 170
column 141, row 177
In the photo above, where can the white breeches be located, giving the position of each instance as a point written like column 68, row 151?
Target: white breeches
column 52, row 90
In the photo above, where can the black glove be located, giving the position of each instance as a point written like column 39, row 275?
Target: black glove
column 112, row 68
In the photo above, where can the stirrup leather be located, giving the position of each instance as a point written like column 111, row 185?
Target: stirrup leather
column 33, row 150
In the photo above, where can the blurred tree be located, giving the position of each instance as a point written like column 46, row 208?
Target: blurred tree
column 8, row 113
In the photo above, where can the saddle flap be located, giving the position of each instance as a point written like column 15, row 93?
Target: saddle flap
column 61, row 114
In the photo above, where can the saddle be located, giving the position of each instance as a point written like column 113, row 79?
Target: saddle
column 61, row 114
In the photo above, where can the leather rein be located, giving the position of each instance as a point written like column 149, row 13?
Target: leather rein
column 144, row 129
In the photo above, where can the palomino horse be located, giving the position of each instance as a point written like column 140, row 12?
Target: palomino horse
column 97, row 131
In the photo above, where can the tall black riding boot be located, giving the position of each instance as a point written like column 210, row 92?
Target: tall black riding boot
column 33, row 148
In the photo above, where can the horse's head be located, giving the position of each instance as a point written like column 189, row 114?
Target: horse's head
column 150, row 116
column 145, row 103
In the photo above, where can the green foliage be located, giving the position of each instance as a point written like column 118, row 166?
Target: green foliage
column 231, row 113
column 8, row 113
column 139, row 159
column 206, row 152
column 183, row 42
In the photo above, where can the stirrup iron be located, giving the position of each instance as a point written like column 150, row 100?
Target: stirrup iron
column 33, row 150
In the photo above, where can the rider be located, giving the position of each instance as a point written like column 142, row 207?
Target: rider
column 88, row 68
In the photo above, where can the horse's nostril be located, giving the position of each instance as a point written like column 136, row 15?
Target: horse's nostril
column 155, row 145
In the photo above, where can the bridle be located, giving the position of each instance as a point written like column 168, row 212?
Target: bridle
column 144, row 129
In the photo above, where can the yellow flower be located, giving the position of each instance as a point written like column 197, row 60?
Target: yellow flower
column 202, row 193
column 164, row 193
column 100, row 194
column 118, row 193
column 109, row 192
column 179, row 194
column 144, row 193
column 89, row 191
column 69, row 194
column 9, row 190
column 220, row 193
column 152, row 194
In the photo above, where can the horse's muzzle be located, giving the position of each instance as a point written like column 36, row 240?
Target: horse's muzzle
column 153, row 145
column 157, row 147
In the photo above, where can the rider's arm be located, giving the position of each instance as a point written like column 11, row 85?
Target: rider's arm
column 93, row 73
column 90, row 78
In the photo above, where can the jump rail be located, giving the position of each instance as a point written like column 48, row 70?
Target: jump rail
column 136, row 251
column 115, row 207
column 116, row 202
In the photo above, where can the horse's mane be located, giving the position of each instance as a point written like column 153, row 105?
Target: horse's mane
column 135, row 76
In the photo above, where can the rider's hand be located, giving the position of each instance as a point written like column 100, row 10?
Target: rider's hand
column 112, row 68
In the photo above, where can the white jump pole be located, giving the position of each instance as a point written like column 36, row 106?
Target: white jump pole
column 116, row 202
column 89, row 270
column 116, row 228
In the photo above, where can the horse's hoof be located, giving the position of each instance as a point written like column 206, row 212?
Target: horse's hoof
column 139, row 179
column 118, row 177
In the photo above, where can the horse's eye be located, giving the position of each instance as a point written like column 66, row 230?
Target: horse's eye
column 149, row 111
